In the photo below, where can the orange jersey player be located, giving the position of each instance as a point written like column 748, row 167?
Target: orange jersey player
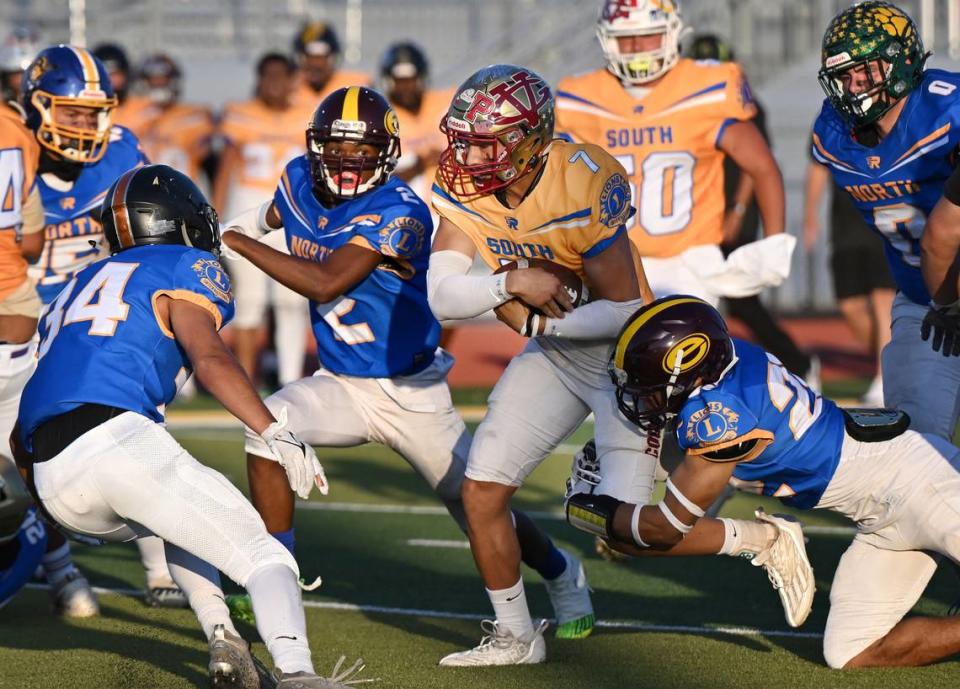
column 21, row 234
column 405, row 73
column 669, row 121
column 318, row 52
column 179, row 134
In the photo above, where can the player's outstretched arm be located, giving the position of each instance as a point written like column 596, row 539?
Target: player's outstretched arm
column 321, row 282
column 744, row 143
column 221, row 374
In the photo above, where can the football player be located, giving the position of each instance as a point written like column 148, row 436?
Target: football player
column 317, row 50
column 132, row 111
column 16, row 53
column 21, row 240
column 69, row 101
column 886, row 134
column 179, row 134
column 359, row 240
column 669, row 122
column 405, row 74
column 261, row 136
column 91, row 420
column 23, row 537
column 739, row 413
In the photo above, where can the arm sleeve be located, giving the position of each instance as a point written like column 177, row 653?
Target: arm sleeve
column 601, row 319
column 455, row 295
column 252, row 222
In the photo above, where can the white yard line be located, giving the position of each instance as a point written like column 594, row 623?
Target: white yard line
column 631, row 625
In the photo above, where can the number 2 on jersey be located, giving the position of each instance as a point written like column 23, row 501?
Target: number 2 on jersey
column 109, row 309
column 784, row 386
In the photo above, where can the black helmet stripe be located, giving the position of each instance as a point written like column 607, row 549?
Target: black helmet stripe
column 118, row 206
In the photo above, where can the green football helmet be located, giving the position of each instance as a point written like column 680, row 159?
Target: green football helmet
column 883, row 42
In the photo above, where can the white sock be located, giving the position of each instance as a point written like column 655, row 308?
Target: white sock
column 154, row 561
column 510, row 607
column 201, row 582
column 58, row 564
column 746, row 537
column 276, row 603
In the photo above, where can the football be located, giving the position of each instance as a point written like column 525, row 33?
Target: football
column 525, row 319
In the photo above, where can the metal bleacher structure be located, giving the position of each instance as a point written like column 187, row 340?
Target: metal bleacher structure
column 217, row 42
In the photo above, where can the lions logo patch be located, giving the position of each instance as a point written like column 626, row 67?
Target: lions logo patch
column 214, row 278
column 402, row 237
column 690, row 351
column 714, row 423
column 615, row 201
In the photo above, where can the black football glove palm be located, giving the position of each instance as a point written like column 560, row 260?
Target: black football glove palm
column 944, row 323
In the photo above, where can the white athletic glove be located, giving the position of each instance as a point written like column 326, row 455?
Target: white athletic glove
column 296, row 457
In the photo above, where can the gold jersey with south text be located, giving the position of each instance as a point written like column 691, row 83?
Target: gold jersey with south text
column 668, row 142
column 577, row 208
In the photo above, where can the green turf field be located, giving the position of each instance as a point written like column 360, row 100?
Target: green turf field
column 401, row 606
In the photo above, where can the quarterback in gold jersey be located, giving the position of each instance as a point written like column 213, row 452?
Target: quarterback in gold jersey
column 506, row 190
column 670, row 122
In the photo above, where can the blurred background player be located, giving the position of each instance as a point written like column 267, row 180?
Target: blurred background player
column 405, row 74
column 670, row 122
column 178, row 134
column 861, row 277
column 317, row 50
column 16, row 53
column 741, row 224
column 21, row 241
column 23, row 537
column 132, row 111
column 69, row 101
column 261, row 136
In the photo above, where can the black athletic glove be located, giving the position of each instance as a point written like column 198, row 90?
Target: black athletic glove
column 944, row 323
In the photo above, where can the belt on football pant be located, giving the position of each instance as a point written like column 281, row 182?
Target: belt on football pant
column 54, row 435
column 16, row 353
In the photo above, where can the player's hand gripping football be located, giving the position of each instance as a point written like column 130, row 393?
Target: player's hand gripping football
column 296, row 457
column 944, row 323
column 540, row 289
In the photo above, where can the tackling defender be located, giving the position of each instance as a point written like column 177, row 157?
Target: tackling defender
column 114, row 346
column 739, row 413
column 888, row 133
column 358, row 242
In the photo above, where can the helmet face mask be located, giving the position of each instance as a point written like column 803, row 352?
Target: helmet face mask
column 666, row 350
column 348, row 126
column 498, row 129
column 638, row 62
column 61, row 79
column 156, row 204
column 872, row 57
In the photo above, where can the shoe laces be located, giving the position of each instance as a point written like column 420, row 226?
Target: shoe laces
column 348, row 676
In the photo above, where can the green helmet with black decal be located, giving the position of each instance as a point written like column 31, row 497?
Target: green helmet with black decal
column 881, row 40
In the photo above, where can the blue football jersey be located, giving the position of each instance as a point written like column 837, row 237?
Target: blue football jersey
column 101, row 341
column 383, row 326
column 759, row 398
column 72, row 216
column 30, row 545
column 896, row 183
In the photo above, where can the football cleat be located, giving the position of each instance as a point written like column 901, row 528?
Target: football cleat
column 340, row 678
column 231, row 664
column 787, row 566
column 73, row 597
column 570, row 598
column 500, row 647
column 165, row 596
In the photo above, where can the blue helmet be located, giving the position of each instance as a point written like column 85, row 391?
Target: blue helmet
column 66, row 76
